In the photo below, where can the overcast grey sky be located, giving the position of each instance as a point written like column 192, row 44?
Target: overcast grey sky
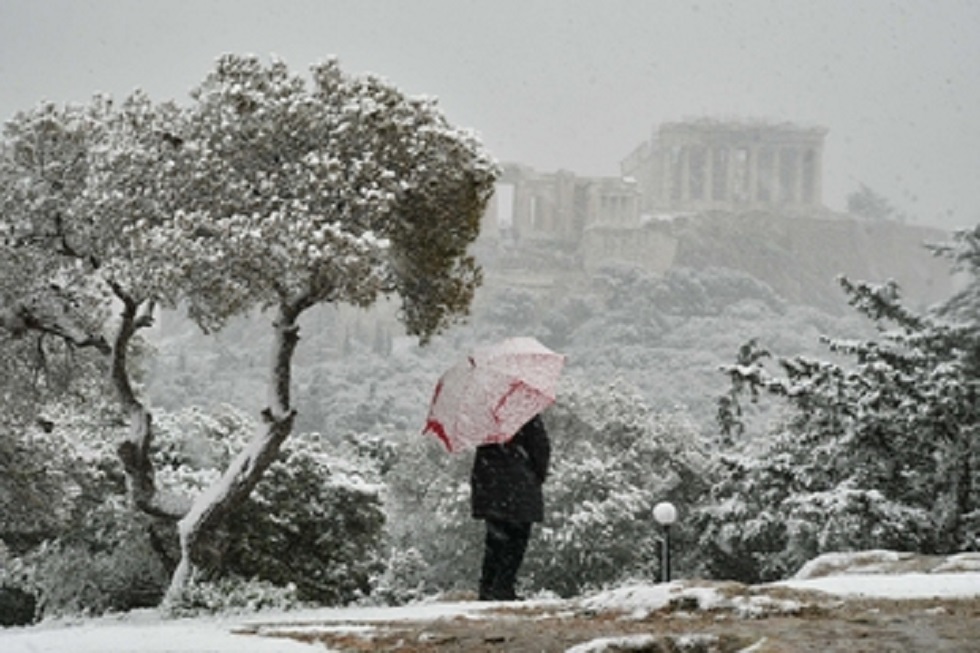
column 573, row 84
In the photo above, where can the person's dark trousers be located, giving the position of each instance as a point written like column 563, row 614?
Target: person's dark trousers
column 503, row 554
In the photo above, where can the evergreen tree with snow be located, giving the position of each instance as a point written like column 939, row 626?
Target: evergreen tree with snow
column 882, row 450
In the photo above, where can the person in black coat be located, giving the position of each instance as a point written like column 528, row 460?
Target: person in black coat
column 506, row 493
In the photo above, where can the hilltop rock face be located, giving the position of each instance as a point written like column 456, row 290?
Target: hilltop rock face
column 799, row 254
column 801, row 257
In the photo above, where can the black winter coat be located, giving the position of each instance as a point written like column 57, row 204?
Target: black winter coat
column 506, row 479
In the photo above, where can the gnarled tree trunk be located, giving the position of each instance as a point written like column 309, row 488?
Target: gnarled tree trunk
column 134, row 449
column 212, row 507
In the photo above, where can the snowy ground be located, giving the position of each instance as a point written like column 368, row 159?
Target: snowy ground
column 879, row 574
column 145, row 632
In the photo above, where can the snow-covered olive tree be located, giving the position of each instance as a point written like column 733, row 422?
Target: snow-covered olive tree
column 269, row 191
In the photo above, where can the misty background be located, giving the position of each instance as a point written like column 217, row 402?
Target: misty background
column 652, row 310
column 573, row 84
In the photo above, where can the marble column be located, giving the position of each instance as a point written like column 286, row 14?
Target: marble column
column 798, row 177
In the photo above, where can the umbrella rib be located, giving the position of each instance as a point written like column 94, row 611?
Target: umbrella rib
column 467, row 407
column 514, row 387
column 440, row 431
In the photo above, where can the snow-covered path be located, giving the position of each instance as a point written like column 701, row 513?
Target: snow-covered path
column 143, row 635
column 145, row 631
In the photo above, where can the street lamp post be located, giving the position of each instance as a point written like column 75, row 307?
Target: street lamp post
column 666, row 514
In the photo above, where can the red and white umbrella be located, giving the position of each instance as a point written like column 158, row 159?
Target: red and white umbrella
column 489, row 395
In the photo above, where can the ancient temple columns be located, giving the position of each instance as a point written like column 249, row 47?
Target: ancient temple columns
column 718, row 165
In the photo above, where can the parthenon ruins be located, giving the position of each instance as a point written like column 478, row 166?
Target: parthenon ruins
column 685, row 168
column 709, row 164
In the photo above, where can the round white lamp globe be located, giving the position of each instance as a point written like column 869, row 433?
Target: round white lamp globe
column 665, row 513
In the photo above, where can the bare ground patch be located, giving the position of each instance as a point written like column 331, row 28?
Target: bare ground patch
column 820, row 624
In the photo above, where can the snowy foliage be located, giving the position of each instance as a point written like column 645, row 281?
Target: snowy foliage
column 667, row 334
column 614, row 460
column 98, row 554
column 314, row 522
column 230, row 595
column 403, row 580
column 882, row 452
column 768, row 515
column 345, row 191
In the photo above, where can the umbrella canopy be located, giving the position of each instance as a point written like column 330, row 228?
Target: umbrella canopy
column 489, row 395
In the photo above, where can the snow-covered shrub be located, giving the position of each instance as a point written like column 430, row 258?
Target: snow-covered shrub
column 613, row 460
column 315, row 522
column 230, row 595
column 852, row 519
column 741, row 533
column 770, row 514
column 53, row 469
column 746, row 549
column 107, row 564
column 403, row 579
column 98, row 553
